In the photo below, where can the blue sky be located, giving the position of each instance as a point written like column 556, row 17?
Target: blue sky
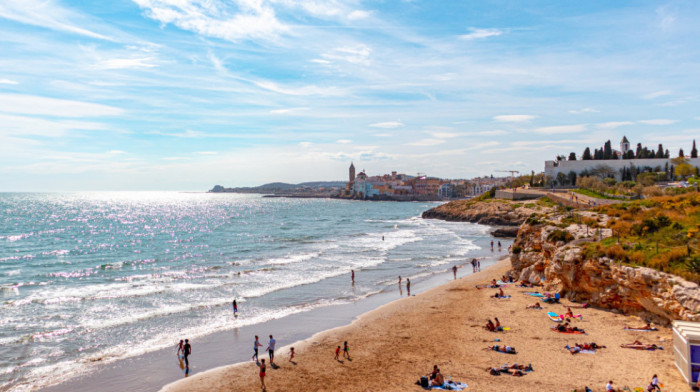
column 185, row 94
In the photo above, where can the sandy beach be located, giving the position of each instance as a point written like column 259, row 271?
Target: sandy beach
column 392, row 346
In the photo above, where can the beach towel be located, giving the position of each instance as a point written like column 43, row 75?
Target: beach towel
column 642, row 329
column 570, row 332
column 451, row 386
column 536, row 295
column 554, row 317
column 505, row 296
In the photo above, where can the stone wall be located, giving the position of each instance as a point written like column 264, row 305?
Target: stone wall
column 579, row 166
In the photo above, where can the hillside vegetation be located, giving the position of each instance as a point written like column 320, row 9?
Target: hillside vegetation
column 660, row 233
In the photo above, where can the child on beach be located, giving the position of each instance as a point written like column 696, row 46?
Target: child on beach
column 291, row 354
column 262, row 374
column 346, row 350
column 180, row 347
column 337, row 352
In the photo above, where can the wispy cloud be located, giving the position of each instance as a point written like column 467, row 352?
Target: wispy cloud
column 240, row 19
column 614, row 124
column 343, row 141
column 206, row 153
column 481, row 33
column 656, row 94
column 33, row 104
column 561, row 129
column 146, row 62
column 514, row 117
column 427, row 142
column 8, row 81
column 442, row 135
column 387, row 124
column 47, row 14
column 584, row 110
column 116, row 152
column 658, row 121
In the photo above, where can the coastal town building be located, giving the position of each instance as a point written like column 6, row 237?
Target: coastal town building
column 622, row 164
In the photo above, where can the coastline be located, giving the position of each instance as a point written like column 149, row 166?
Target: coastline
column 152, row 370
column 393, row 345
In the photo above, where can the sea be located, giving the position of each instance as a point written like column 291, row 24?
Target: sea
column 92, row 278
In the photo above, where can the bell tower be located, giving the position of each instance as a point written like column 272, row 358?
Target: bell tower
column 352, row 172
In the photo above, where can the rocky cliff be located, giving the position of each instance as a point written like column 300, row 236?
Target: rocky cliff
column 552, row 251
column 489, row 212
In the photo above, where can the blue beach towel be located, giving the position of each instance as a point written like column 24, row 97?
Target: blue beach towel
column 451, row 386
column 536, row 295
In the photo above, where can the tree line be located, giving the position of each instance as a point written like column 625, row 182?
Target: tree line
column 641, row 152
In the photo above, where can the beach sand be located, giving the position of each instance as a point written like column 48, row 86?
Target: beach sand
column 392, row 346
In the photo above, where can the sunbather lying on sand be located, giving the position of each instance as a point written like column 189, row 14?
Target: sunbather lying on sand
column 517, row 370
column 570, row 314
column 565, row 328
column 493, row 327
column 647, row 327
column 535, row 306
column 588, row 346
column 494, row 284
column 499, row 294
column 503, row 349
column 637, row 345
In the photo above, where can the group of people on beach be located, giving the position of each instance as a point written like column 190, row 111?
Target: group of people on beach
column 271, row 352
column 184, row 349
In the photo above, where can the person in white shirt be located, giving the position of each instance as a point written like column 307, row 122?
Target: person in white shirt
column 271, row 349
column 655, row 384
column 609, row 387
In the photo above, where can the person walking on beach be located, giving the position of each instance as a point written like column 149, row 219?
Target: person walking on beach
column 499, row 246
column 478, row 265
column 492, row 245
column 346, row 350
column 454, row 271
column 263, row 368
column 271, row 349
column 187, row 350
column 291, row 354
column 352, row 276
column 180, row 347
column 337, row 352
column 399, row 280
column 256, row 344
column 408, row 286
column 235, row 307
column 654, row 384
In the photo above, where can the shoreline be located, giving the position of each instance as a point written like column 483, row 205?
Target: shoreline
column 153, row 370
column 395, row 344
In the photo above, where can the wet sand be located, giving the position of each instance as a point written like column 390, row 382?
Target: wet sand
column 392, row 346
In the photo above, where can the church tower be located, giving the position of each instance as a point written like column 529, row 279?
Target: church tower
column 624, row 145
column 352, row 172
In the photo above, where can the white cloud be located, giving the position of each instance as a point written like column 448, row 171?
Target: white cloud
column 387, row 124
column 33, row 104
column 287, row 111
column 206, row 152
column 613, row 124
column 481, row 33
column 559, row 129
column 343, row 141
column 21, row 125
column 358, row 54
column 514, row 118
column 8, row 81
column 241, row 19
column 383, row 135
column 359, row 14
column 656, row 94
column 176, row 159
column 305, row 144
column 658, row 121
column 116, row 152
column 146, row 62
column 46, row 14
column 442, row 135
column 427, row 142
column 584, row 110
column 496, row 132
column 299, row 91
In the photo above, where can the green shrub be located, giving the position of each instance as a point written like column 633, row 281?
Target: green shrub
column 560, row 235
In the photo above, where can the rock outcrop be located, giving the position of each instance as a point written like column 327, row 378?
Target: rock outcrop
column 563, row 267
column 490, row 212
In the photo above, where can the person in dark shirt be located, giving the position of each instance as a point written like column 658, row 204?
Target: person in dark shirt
column 187, row 350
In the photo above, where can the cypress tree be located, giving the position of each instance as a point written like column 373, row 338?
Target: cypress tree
column 660, row 152
column 667, row 154
column 586, row 154
column 607, row 150
column 694, row 151
column 629, row 155
column 639, row 151
column 680, row 153
column 572, row 156
column 652, row 154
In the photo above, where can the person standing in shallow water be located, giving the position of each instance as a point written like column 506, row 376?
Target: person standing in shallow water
column 235, row 307
column 352, row 276
column 256, row 344
column 408, row 286
column 186, row 351
column 454, row 271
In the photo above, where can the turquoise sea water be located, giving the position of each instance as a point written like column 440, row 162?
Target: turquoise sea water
column 89, row 278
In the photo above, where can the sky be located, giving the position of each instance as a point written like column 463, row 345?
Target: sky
column 187, row 94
